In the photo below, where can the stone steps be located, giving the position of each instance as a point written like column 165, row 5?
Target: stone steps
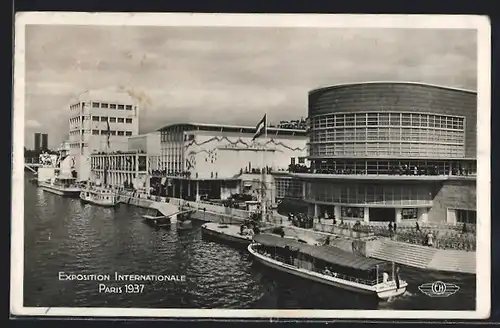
column 426, row 257
column 403, row 253
column 451, row 260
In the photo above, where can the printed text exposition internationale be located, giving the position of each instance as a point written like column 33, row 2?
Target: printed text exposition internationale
column 120, row 277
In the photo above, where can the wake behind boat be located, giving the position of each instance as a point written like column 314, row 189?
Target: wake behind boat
column 328, row 265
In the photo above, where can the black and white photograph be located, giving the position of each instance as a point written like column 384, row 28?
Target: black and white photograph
column 251, row 166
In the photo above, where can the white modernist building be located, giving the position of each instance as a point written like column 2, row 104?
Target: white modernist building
column 148, row 143
column 128, row 168
column 91, row 112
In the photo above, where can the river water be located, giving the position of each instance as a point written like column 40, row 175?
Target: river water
column 63, row 235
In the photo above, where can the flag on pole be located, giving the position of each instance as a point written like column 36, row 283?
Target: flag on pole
column 260, row 128
column 108, row 132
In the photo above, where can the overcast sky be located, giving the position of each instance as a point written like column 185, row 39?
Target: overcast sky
column 226, row 74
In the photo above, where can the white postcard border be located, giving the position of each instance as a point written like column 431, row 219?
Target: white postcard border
column 483, row 274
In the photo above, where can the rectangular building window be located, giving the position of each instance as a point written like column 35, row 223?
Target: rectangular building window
column 349, row 120
column 120, row 106
column 128, row 120
column 406, row 120
column 95, row 118
column 113, row 133
column 112, row 106
column 128, row 133
column 112, row 120
column 104, row 118
column 408, row 213
column 395, row 118
column 120, row 119
column 120, row 133
column 129, row 107
column 95, row 105
column 372, row 119
column 104, row 105
column 466, row 216
column 95, row 132
column 104, row 132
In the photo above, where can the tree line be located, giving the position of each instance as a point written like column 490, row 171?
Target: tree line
column 31, row 153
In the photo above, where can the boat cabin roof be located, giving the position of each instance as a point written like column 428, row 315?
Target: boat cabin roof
column 328, row 254
column 65, row 177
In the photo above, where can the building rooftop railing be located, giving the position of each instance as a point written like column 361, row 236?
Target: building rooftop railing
column 118, row 152
column 292, row 124
column 394, row 173
column 299, row 129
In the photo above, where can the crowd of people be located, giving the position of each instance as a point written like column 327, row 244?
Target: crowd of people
column 163, row 173
column 301, row 220
column 437, row 238
column 292, row 124
column 237, row 201
column 458, row 237
column 257, row 170
column 394, row 170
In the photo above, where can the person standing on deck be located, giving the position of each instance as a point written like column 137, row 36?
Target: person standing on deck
column 397, row 278
column 385, row 277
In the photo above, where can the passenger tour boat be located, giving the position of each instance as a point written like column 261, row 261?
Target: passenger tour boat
column 100, row 196
column 63, row 185
column 97, row 193
column 328, row 265
column 241, row 235
column 227, row 233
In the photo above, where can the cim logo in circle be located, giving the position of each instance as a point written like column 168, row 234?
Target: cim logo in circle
column 438, row 289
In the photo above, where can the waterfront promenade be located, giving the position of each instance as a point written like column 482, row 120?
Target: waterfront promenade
column 205, row 210
column 382, row 248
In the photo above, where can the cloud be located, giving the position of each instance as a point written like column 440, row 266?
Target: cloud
column 229, row 75
column 32, row 124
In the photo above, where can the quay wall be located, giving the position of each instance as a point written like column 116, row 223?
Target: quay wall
column 354, row 242
column 210, row 216
column 213, row 213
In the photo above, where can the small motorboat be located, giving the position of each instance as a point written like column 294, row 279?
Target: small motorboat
column 184, row 220
column 156, row 218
